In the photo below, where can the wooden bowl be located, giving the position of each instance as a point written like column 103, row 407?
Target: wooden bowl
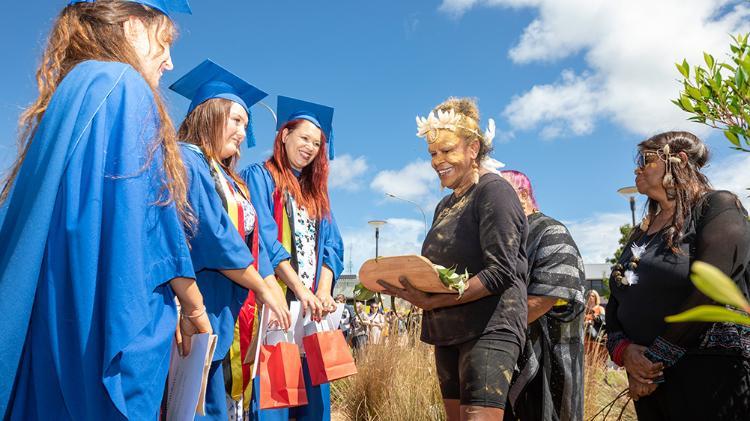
column 417, row 269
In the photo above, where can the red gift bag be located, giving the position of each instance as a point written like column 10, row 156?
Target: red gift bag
column 282, row 384
column 328, row 355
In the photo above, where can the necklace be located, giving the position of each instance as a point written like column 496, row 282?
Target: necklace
column 629, row 276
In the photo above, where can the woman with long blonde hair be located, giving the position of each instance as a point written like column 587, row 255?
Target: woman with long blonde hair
column 92, row 221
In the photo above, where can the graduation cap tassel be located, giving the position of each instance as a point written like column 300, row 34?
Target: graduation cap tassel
column 250, row 134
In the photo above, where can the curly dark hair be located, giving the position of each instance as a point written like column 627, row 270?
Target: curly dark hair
column 689, row 183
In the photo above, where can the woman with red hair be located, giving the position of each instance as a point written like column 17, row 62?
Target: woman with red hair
column 290, row 194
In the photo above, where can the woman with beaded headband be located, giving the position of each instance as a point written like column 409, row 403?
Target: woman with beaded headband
column 228, row 256
column 91, row 222
column 682, row 370
column 480, row 228
column 290, row 193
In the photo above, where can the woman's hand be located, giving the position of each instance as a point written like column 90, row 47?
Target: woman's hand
column 326, row 300
column 640, row 367
column 637, row 389
column 279, row 310
column 310, row 304
column 419, row 298
column 191, row 324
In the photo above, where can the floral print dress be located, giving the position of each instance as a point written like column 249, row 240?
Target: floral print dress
column 305, row 244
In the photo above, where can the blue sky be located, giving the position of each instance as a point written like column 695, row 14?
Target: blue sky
column 572, row 84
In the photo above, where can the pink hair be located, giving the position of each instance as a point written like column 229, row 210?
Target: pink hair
column 520, row 181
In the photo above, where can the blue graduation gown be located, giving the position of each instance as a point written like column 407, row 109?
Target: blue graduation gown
column 216, row 245
column 87, row 254
column 330, row 253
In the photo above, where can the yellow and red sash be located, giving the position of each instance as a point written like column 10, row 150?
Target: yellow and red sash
column 238, row 381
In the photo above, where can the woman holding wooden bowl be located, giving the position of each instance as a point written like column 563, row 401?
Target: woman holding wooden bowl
column 480, row 228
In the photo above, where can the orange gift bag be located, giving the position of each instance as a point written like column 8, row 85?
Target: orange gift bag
column 328, row 355
column 282, row 384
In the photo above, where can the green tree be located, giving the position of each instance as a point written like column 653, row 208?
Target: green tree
column 718, row 95
column 625, row 231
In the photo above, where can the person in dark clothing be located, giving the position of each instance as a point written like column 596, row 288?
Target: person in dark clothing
column 686, row 371
column 479, row 228
column 548, row 382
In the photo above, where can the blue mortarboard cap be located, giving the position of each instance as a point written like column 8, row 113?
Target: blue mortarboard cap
column 288, row 109
column 208, row 80
column 168, row 7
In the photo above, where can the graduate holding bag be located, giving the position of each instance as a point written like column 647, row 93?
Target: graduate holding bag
column 290, row 194
column 226, row 250
column 91, row 222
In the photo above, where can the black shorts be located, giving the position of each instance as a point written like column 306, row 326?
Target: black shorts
column 478, row 372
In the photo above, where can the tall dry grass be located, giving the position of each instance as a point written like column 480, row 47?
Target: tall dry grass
column 397, row 381
column 603, row 386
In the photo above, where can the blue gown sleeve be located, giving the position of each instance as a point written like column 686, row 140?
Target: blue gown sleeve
column 215, row 244
column 261, row 187
column 265, row 268
column 333, row 249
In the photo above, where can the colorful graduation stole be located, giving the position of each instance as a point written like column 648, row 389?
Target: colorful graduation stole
column 240, row 375
column 281, row 216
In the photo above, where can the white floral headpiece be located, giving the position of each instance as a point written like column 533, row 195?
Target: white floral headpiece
column 449, row 120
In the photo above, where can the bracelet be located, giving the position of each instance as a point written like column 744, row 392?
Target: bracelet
column 197, row 315
column 619, row 351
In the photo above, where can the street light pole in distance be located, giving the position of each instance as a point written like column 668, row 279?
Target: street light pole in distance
column 376, row 224
column 424, row 215
column 629, row 193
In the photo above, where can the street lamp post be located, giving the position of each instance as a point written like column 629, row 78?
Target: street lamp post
column 629, row 193
column 424, row 215
column 376, row 224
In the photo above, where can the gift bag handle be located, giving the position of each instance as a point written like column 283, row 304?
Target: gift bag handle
column 288, row 335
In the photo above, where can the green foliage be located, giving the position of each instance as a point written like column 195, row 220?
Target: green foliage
column 717, row 286
column 453, row 280
column 718, row 94
column 362, row 294
column 625, row 231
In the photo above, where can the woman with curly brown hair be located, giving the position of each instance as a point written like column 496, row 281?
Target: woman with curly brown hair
column 683, row 370
column 92, row 224
column 480, row 228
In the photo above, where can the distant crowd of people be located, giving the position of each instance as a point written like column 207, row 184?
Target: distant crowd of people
column 371, row 324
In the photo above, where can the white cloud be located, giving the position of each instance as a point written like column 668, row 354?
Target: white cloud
column 629, row 48
column 411, row 23
column 732, row 174
column 345, row 172
column 567, row 106
column 416, row 181
column 399, row 236
column 597, row 236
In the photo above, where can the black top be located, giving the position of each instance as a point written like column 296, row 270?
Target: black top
column 484, row 232
column 717, row 233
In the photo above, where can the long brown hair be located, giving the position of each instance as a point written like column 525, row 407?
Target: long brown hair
column 689, row 184
column 204, row 127
column 311, row 190
column 95, row 31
